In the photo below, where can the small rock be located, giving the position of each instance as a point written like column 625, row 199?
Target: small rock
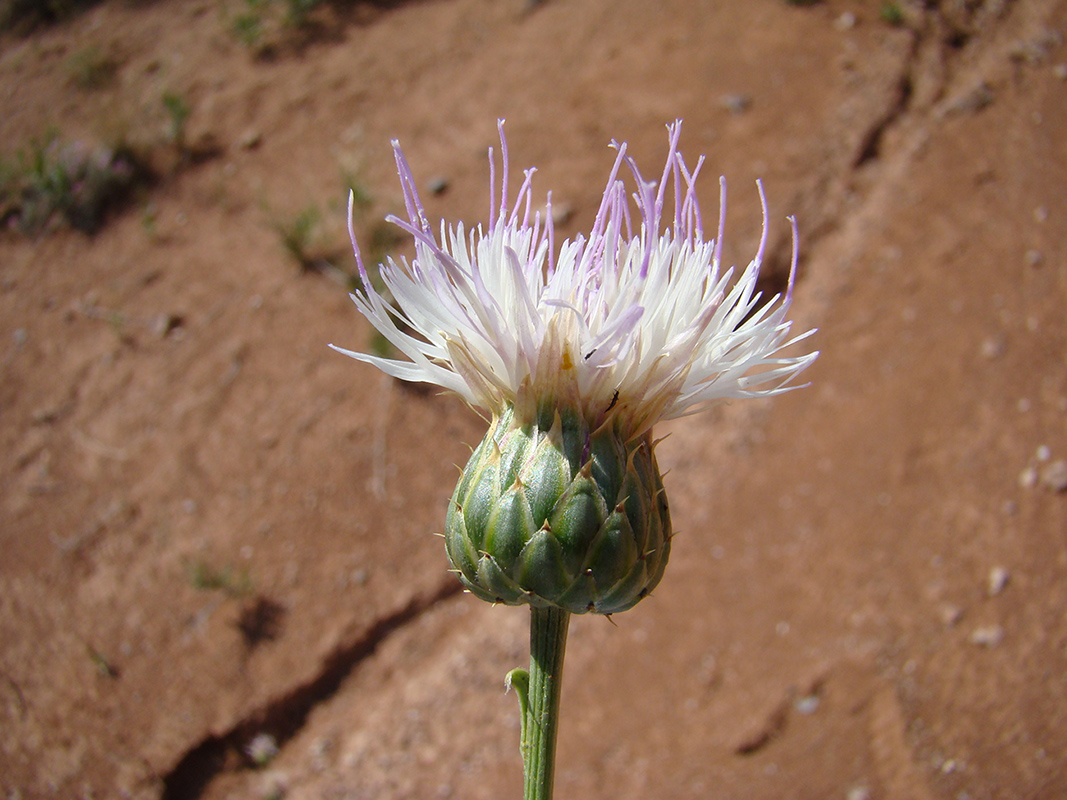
column 561, row 213
column 250, row 139
column 1034, row 258
column 950, row 614
column 1028, row 478
column 736, row 103
column 993, row 347
column 1035, row 50
column 807, row 704
column 998, row 579
column 46, row 415
column 438, row 186
column 163, row 324
column 860, row 792
column 1044, row 453
column 973, row 100
column 1060, row 71
column 1054, row 476
column 987, row 636
column 845, row 22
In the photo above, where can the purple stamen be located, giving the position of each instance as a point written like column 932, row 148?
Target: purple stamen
column 504, row 160
column 763, row 235
column 492, row 191
column 792, row 261
column 411, row 194
column 599, row 222
column 355, row 247
column 717, row 258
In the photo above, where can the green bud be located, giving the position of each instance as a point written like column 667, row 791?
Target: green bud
column 555, row 513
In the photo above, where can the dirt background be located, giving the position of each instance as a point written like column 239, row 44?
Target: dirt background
column 212, row 527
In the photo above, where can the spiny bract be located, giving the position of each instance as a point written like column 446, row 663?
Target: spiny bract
column 552, row 513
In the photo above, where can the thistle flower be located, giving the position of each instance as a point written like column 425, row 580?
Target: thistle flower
column 576, row 354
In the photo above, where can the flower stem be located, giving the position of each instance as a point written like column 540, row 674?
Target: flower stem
column 539, row 699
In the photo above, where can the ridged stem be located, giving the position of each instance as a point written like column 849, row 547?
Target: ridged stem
column 548, row 641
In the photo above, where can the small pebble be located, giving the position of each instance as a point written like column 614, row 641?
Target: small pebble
column 1028, row 478
column 992, row 347
column 860, row 792
column 998, row 579
column 987, row 636
column 950, row 614
column 1044, row 453
column 1034, row 258
column 807, row 704
column 977, row 98
column 562, row 213
column 250, row 139
column 163, row 324
column 736, row 103
column 438, row 186
column 1060, row 71
column 845, row 22
column 1054, row 476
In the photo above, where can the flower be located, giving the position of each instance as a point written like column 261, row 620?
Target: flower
column 576, row 354
column 635, row 323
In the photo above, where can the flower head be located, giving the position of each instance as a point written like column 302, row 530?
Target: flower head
column 635, row 323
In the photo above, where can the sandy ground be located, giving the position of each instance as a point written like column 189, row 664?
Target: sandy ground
column 214, row 528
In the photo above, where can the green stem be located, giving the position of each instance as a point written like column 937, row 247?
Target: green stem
column 540, row 705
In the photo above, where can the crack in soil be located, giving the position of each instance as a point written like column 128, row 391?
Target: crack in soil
column 284, row 716
column 871, row 143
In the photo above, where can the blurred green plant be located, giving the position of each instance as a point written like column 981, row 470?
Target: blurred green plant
column 204, row 577
column 261, row 24
column 299, row 236
column 149, row 219
column 247, row 25
column 891, row 13
column 75, row 182
column 178, row 112
column 102, row 664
